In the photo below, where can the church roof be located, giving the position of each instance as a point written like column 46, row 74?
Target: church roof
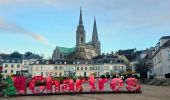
column 65, row 50
column 89, row 43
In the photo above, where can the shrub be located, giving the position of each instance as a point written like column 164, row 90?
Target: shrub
column 102, row 76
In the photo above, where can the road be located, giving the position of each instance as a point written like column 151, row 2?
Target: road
column 149, row 93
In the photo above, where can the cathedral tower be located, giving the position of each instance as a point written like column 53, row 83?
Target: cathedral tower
column 80, row 33
column 95, row 39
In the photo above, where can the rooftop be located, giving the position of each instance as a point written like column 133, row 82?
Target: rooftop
column 65, row 50
column 166, row 44
column 165, row 37
column 13, row 60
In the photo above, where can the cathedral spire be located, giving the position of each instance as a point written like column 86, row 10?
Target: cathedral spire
column 95, row 34
column 80, row 19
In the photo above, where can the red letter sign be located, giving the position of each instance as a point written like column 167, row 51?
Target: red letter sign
column 32, row 84
column 20, row 83
column 132, row 84
column 116, row 84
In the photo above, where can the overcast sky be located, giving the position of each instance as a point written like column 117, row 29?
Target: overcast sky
column 41, row 25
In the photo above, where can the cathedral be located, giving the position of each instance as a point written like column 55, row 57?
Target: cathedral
column 82, row 50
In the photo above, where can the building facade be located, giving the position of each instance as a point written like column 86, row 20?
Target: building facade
column 17, row 66
column 11, row 67
column 79, row 69
column 161, row 58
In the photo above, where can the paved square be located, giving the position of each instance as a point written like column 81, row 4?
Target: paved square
column 149, row 93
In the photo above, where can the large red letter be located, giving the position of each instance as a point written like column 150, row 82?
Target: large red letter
column 132, row 84
column 32, row 84
column 68, row 85
column 79, row 83
column 20, row 84
column 101, row 82
column 116, row 84
column 91, row 83
column 57, row 85
column 48, row 83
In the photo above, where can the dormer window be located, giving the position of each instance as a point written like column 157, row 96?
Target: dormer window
column 7, row 60
column 13, row 61
column 47, row 62
column 37, row 62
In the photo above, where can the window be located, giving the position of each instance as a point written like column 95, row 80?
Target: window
column 7, row 60
column 115, row 67
column 6, row 65
column 92, row 68
column 41, row 73
column 77, row 68
column 169, row 53
column 60, row 62
column 55, row 67
column 60, row 68
column 98, row 67
column 60, row 74
column 12, row 71
column 60, row 56
column 12, row 65
column 13, row 61
column 5, row 71
column 81, row 68
column 55, row 73
column 47, row 62
column 18, row 66
column 18, row 72
column 25, row 62
column 85, row 68
column 82, row 40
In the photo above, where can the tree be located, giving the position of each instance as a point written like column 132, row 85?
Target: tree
column 10, row 89
column 142, row 67
column 27, row 54
column 16, row 55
